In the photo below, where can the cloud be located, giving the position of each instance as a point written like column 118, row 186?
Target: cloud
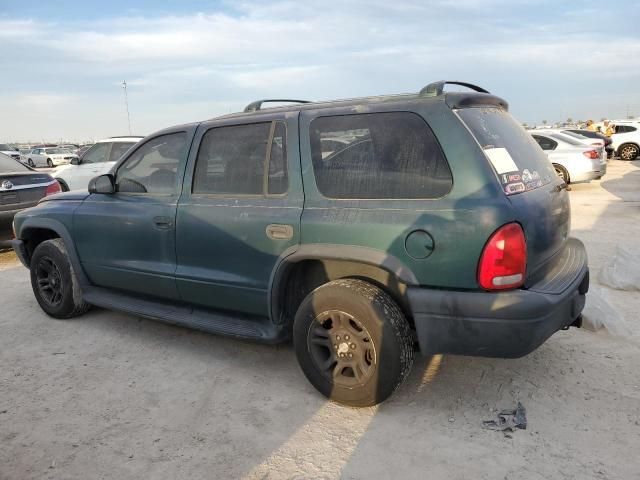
column 321, row 49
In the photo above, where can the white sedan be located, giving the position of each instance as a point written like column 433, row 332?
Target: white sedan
column 48, row 157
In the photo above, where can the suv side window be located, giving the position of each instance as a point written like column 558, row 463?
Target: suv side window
column 153, row 167
column 625, row 129
column 378, row 155
column 96, row 154
column 242, row 160
column 545, row 142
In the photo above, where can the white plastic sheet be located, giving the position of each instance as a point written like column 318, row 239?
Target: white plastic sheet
column 600, row 313
column 622, row 272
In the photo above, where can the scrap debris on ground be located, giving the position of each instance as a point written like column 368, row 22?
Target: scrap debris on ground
column 508, row 420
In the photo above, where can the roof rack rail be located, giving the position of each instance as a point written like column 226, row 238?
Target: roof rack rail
column 437, row 88
column 255, row 106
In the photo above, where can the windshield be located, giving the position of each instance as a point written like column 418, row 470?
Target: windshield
column 4, row 147
column 9, row 165
column 516, row 157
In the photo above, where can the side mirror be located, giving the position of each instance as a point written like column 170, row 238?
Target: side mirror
column 76, row 161
column 103, row 184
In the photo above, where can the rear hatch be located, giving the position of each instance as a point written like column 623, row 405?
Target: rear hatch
column 529, row 181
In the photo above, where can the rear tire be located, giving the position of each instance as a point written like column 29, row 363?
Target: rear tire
column 31, row 164
column 628, row 151
column 562, row 173
column 63, row 185
column 353, row 342
column 54, row 282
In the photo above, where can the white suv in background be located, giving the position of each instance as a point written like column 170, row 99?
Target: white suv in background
column 626, row 139
column 98, row 160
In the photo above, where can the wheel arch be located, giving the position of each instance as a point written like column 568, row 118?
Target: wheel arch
column 301, row 271
column 34, row 231
column 63, row 184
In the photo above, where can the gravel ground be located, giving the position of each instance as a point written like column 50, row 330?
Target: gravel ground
column 109, row 395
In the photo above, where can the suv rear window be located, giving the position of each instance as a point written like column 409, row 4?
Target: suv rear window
column 378, row 155
column 517, row 159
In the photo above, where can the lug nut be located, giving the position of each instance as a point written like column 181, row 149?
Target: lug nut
column 353, row 346
column 346, row 337
column 338, row 337
column 350, row 355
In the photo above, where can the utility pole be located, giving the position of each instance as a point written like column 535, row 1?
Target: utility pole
column 126, row 104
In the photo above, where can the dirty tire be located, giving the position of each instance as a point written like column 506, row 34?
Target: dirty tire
column 54, row 282
column 628, row 151
column 381, row 320
column 562, row 173
column 63, row 185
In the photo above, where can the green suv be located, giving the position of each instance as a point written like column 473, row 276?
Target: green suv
column 361, row 229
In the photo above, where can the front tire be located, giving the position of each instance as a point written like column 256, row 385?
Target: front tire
column 353, row 342
column 31, row 164
column 49, row 162
column 628, row 151
column 54, row 282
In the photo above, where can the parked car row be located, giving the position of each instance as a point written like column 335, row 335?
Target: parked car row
column 575, row 158
column 362, row 229
column 22, row 187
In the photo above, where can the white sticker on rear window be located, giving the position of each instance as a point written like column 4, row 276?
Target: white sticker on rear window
column 501, row 160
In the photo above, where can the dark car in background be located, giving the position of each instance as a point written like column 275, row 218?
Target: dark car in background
column 589, row 134
column 22, row 187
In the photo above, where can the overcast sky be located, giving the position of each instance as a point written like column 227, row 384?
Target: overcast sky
column 191, row 60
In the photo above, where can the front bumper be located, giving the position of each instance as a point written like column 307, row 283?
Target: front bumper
column 506, row 324
column 20, row 249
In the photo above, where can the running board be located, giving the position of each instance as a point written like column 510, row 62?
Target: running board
column 244, row 327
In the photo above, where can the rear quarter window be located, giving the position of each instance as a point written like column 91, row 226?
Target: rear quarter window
column 378, row 155
column 515, row 156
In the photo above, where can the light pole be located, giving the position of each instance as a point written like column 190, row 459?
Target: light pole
column 126, row 104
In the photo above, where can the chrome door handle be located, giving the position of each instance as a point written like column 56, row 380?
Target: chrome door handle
column 277, row 231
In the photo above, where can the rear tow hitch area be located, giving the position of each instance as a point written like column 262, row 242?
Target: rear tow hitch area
column 576, row 323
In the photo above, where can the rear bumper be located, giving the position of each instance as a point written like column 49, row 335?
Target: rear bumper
column 506, row 324
column 589, row 175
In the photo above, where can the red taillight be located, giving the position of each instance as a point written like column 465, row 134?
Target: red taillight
column 592, row 154
column 504, row 259
column 53, row 188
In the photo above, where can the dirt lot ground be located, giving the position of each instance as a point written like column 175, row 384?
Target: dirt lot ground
column 109, row 395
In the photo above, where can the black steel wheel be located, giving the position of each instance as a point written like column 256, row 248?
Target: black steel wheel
column 353, row 342
column 49, row 281
column 54, row 282
column 628, row 151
